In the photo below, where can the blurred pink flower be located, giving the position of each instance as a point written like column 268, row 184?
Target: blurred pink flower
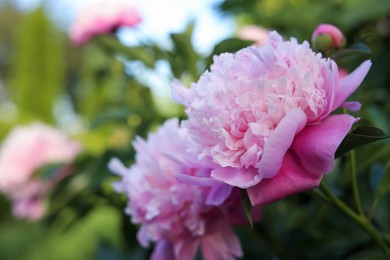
column 261, row 117
column 254, row 33
column 337, row 39
column 102, row 17
column 173, row 214
column 25, row 150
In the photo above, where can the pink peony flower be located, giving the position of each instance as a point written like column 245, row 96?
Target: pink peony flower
column 24, row 151
column 102, row 17
column 335, row 38
column 261, row 117
column 254, row 33
column 173, row 214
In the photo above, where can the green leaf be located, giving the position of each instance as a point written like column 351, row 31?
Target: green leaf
column 141, row 53
column 184, row 58
column 360, row 136
column 358, row 48
column 246, row 204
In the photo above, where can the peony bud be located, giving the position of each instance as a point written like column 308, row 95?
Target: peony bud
column 327, row 36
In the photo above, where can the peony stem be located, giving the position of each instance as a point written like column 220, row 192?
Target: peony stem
column 360, row 219
column 355, row 186
column 355, row 183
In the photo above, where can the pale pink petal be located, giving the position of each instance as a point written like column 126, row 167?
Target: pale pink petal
column 241, row 177
column 116, row 166
column 348, row 84
column 316, row 145
column 179, row 92
column 291, row 179
column 195, row 180
column 280, row 141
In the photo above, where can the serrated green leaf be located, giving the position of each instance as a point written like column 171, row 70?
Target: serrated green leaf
column 246, row 204
column 360, row 136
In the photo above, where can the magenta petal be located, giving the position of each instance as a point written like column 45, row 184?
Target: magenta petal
column 279, row 142
column 291, row 179
column 350, row 83
column 239, row 177
column 352, row 105
column 163, row 251
column 218, row 194
column 316, row 145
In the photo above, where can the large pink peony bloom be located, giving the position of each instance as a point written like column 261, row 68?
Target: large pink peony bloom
column 102, row 17
column 261, row 117
column 173, row 214
column 24, row 151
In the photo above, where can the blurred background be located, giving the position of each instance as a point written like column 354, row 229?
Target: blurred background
column 110, row 89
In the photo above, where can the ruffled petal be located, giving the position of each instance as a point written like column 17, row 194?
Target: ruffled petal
column 279, row 142
column 316, row 145
column 291, row 179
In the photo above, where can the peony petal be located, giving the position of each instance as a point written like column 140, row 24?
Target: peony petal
column 239, row 177
column 195, row 180
column 218, row 194
column 163, row 251
column 222, row 243
column 350, row 83
column 180, row 94
column 316, row 145
column 352, row 105
column 291, row 179
column 116, row 166
column 186, row 249
column 279, row 142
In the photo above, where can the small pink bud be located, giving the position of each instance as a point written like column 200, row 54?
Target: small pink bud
column 327, row 36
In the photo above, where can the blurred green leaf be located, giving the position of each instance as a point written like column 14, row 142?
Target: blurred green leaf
column 357, row 49
column 185, row 58
column 141, row 53
column 246, row 204
column 49, row 171
column 360, row 136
